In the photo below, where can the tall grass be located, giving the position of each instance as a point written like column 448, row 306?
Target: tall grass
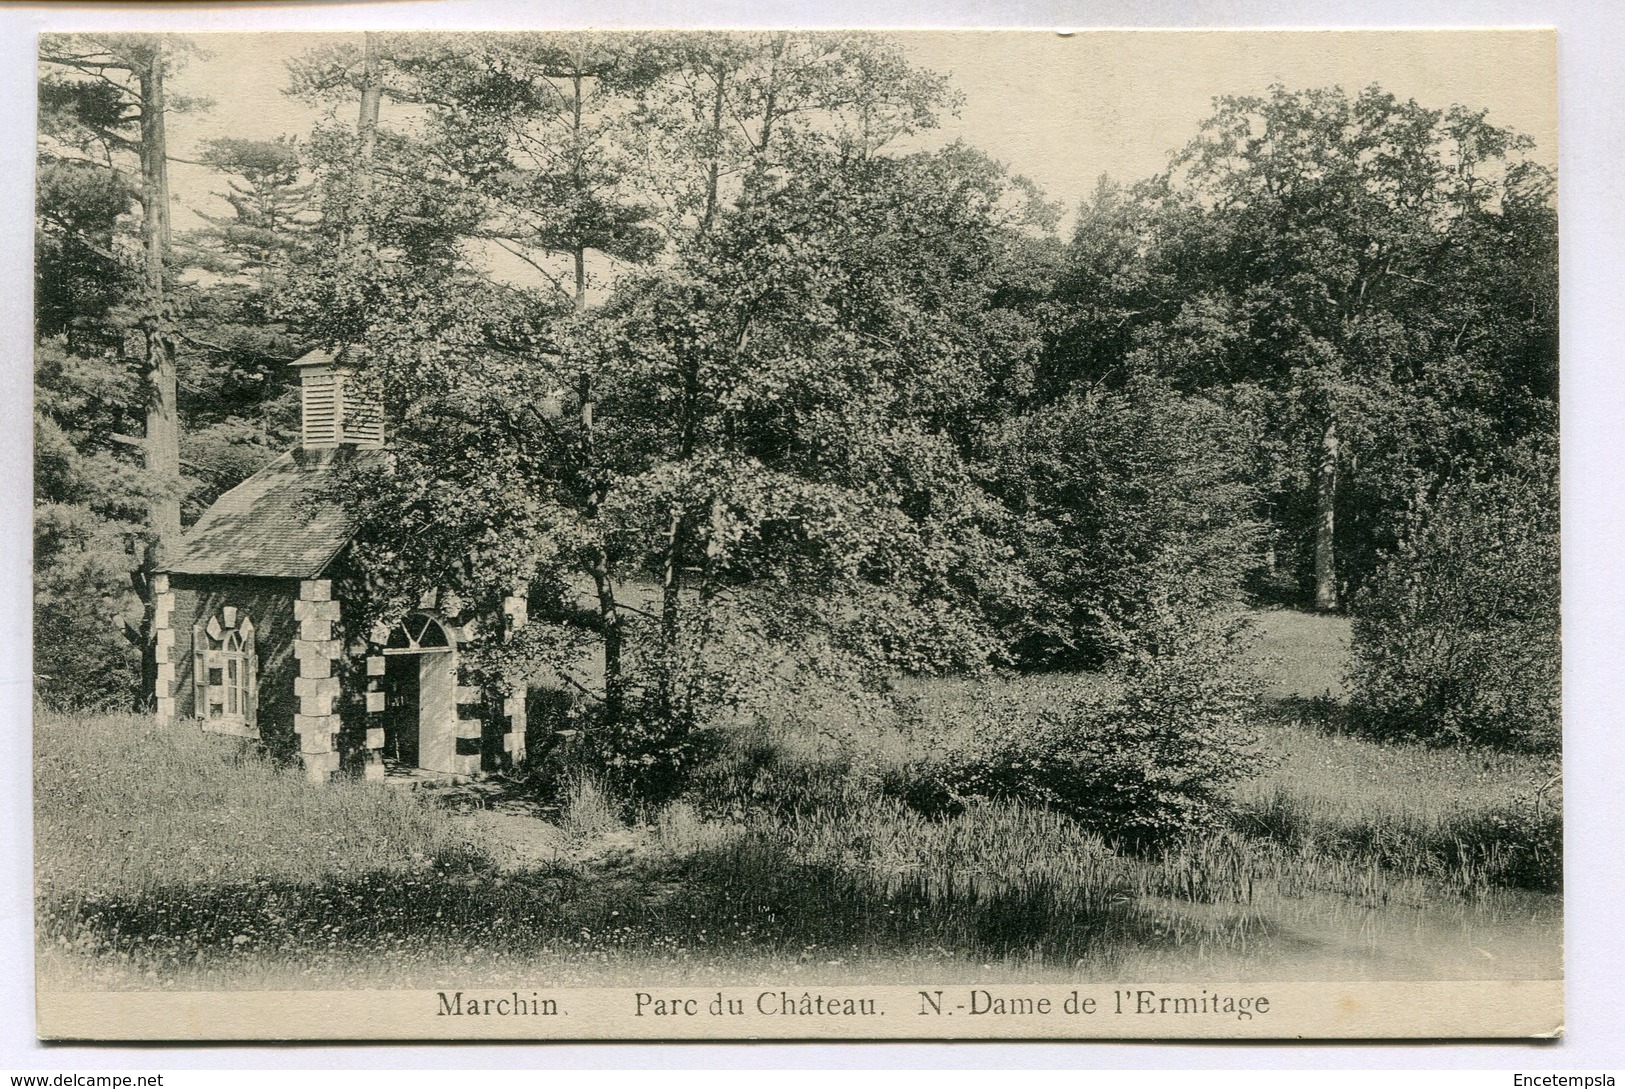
column 1340, row 807
column 144, row 833
column 1469, row 819
column 588, row 811
column 995, row 883
column 167, row 857
column 1351, row 777
column 121, row 802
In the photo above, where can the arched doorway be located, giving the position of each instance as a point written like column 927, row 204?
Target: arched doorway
column 420, row 696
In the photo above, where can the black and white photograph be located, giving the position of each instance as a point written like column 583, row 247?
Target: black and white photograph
column 797, row 533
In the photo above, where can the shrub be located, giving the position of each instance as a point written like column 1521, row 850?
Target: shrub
column 1145, row 760
column 82, row 661
column 1456, row 638
column 756, row 663
column 88, row 503
column 643, row 756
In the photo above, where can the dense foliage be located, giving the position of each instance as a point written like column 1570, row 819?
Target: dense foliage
column 762, row 408
column 127, row 346
column 1457, row 635
column 1146, row 760
column 1134, row 508
column 1373, row 281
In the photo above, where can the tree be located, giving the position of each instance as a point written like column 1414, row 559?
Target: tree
column 389, row 210
column 103, row 104
column 1347, row 217
column 772, row 424
column 106, row 99
column 824, row 356
column 270, row 202
column 79, row 279
column 236, row 390
column 613, row 439
column 89, row 503
column 532, row 122
column 1134, row 517
column 1346, row 266
column 730, row 111
column 1115, row 282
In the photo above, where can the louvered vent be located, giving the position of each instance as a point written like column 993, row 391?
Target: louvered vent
column 363, row 415
column 320, row 405
column 335, row 408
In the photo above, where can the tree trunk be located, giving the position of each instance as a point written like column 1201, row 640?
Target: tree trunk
column 714, row 167
column 1325, row 522
column 163, row 446
column 711, row 576
column 671, row 593
column 609, row 617
column 372, row 95
column 677, row 532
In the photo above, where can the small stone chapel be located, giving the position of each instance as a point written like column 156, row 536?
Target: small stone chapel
column 255, row 627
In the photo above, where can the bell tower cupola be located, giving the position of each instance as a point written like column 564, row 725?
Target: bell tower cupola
column 337, row 407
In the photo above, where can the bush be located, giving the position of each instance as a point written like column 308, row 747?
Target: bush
column 1145, row 760
column 1456, row 639
column 82, row 661
column 643, row 756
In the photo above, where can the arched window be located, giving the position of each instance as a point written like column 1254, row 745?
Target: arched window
column 225, row 672
column 416, row 633
column 235, row 686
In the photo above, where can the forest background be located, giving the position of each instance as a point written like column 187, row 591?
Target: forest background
column 1586, row 96
column 712, row 317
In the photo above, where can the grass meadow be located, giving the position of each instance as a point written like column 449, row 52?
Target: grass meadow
column 171, row 859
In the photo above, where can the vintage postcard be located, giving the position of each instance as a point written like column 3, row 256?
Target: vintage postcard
column 802, row 535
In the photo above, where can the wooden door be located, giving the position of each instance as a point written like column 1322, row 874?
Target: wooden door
column 437, row 711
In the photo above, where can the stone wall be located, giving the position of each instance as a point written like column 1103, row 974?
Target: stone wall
column 164, row 653
column 270, row 604
column 510, row 725
column 320, row 693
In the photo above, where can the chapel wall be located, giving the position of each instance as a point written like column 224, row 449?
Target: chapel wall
column 270, row 604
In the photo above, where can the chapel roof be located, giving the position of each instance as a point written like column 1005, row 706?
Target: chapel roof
column 281, row 522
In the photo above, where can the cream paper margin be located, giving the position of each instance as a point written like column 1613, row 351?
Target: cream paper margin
column 1333, row 1010
column 1490, row 1009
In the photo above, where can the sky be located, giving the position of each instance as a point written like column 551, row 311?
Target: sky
column 1061, row 109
